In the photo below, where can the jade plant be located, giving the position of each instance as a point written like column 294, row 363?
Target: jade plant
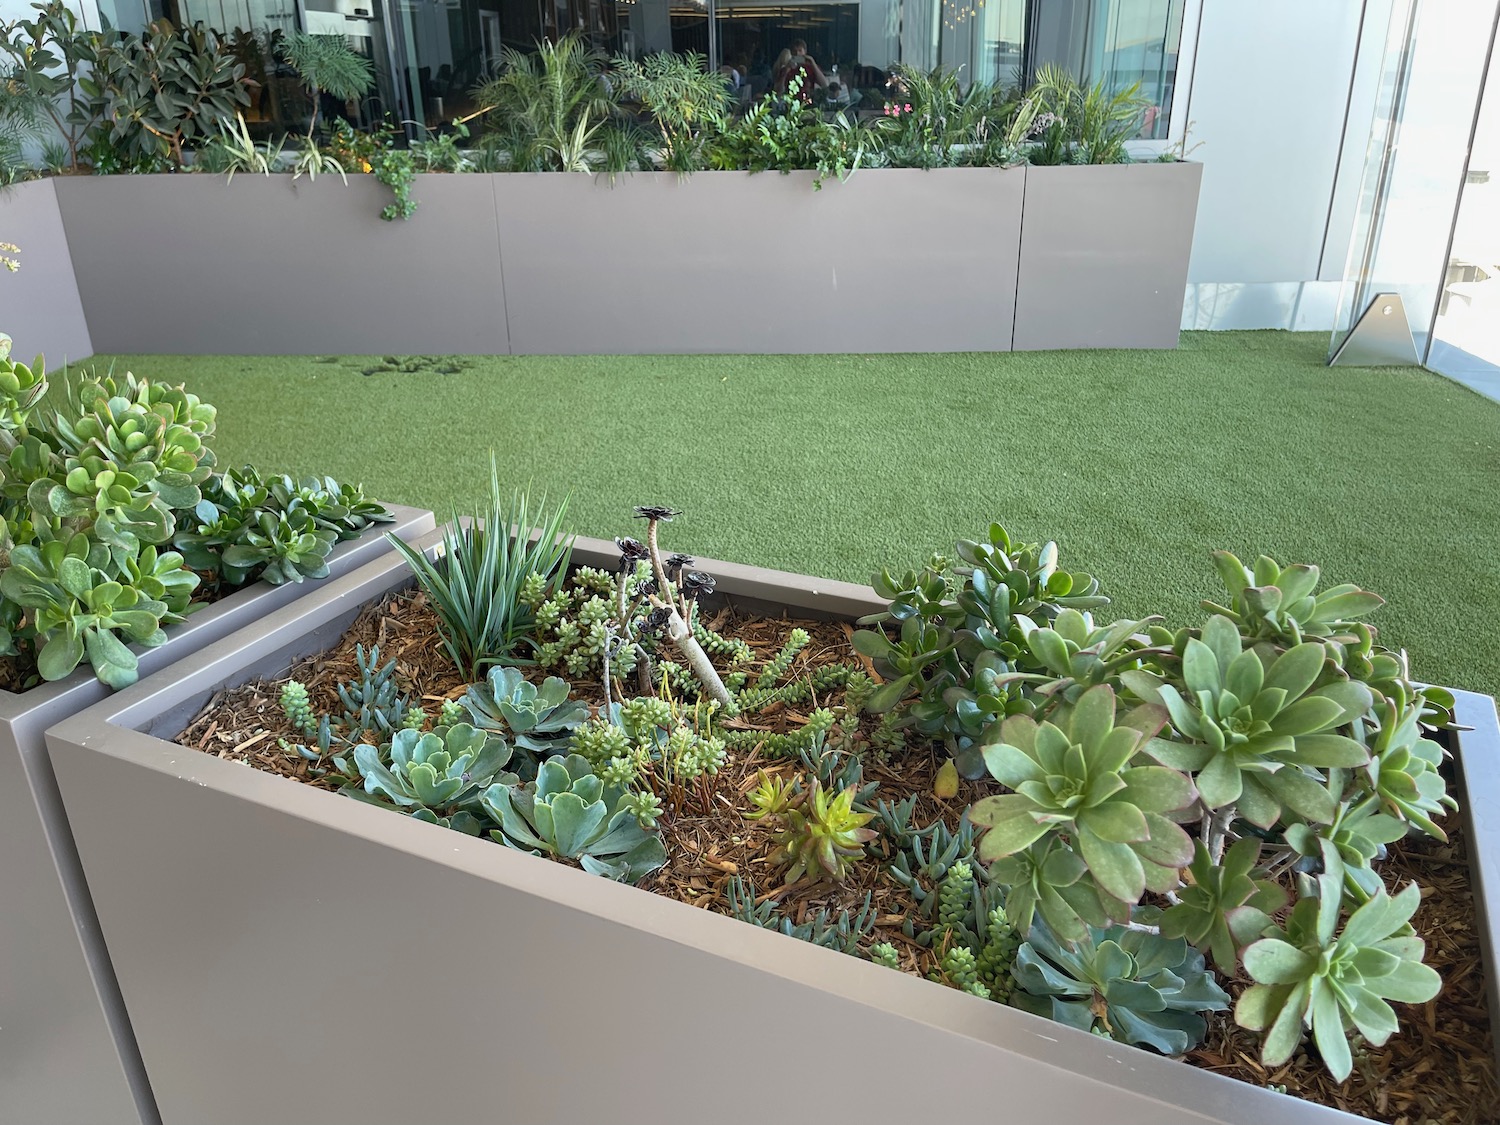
column 569, row 813
column 94, row 497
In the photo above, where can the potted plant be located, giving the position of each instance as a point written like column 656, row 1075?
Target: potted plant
column 579, row 714
column 117, row 526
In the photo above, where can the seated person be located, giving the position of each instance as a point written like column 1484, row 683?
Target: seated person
column 798, row 61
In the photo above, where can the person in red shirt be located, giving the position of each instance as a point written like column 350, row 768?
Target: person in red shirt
column 801, row 62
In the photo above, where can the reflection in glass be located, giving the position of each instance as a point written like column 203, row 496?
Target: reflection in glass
column 1466, row 333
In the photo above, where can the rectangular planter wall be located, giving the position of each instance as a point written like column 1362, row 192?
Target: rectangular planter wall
column 291, row 955
column 894, row 260
column 66, row 1051
column 269, row 265
column 1104, row 255
column 39, row 306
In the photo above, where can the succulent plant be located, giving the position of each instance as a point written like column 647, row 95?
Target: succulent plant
column 1254, row 725
column 884, row 953
column 1132, row 985
column 1051, row 880
column 962, row 639
column 1403, row 770
column 297, row 707
column 842, row 932
column 570, row 813
column 279, row 548
column 1225, row 906
column 772, row 796
column 822, row 834
column 539, row 719
column 445, row 769
column 76, row 611
column 1076, row 779
column 21, row 389
column 1272, row 602
column 1312, row 974
column 959, row 970
column 371, row 703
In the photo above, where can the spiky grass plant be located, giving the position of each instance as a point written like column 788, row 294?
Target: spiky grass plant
column 476, row 582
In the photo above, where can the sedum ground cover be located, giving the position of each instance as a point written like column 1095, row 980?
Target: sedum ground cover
column 1137, row 463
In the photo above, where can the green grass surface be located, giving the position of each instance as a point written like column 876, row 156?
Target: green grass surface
column 1137, row 463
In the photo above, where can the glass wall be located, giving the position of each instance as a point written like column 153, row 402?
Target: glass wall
column 430, row 54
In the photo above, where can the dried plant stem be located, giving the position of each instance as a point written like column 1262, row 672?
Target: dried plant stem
column 680, row 632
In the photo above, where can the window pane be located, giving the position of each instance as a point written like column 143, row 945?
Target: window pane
column 1118, row 42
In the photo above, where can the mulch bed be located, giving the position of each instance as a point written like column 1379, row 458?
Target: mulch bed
column 1439, row 1070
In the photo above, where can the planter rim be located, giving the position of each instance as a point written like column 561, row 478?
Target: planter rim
column 83, row 682
column 1072, row 1056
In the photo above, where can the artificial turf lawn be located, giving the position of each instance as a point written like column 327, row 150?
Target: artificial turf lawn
column 1137, row 463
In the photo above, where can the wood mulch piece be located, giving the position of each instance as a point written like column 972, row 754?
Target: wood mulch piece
column 1438, row 1070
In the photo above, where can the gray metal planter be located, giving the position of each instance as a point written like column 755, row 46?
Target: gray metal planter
column 67, row 1055
column 892, row 260
column 269, row 265
column 1104, row 255
column 290, row 955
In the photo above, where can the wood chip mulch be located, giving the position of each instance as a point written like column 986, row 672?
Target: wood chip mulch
column 1438, row 1070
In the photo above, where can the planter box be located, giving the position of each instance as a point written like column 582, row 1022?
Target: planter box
column 288, row 954
column 66, row 1050
column 1104, row 255
column 269, row 265
column 893, row 260
column 39, row 306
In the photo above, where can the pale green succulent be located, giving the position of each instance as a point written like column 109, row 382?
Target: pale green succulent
column 1254, row 728
column 1224, row 906
column 569, row 813
column 1312, row 975
column 21, row 388
column 76, row 611
column 444, row 769
column 1131, row 985
column 1403, row 767
column 1074, row 779
column 1272, row 602
column 539, row 719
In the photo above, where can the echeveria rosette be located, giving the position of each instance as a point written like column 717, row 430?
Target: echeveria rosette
column 1311, row 975
column 1403, row 767
column 1075, row 781
column 1272, row 602
column 1223, row 907
column 541, row 719
column 440, row 770
column 1357, row 834
column 1050, row 880
column 1254, row 730
column 570, row 813
column 1132, row 985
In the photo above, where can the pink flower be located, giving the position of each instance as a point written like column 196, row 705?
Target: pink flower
column 908, row 107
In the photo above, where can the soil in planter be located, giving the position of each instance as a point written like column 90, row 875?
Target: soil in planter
column 1438, row 1069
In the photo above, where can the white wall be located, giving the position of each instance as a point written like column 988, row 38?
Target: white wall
column 1270, row 102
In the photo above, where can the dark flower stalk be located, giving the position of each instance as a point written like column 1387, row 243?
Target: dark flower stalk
column 677, row 626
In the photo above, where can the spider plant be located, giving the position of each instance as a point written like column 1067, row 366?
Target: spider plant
column 236, row 151
column 476, row 583
column 553, row 114
column 311, row 160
